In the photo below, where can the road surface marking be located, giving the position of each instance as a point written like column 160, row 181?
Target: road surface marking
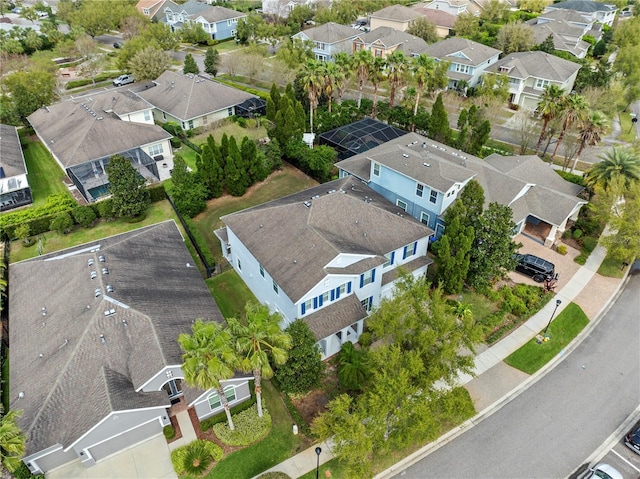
column 617, row 454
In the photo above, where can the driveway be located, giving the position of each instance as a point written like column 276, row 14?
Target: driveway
column 149, row 459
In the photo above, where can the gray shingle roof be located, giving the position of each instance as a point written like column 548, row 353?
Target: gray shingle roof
column 390, row 37
column 69, row 377
column 583, row 6
column 213, row 14
column 308, row 238
column 391, row 275
column 566, row 15
column 191, row 96
column 475, row 53
column 537, row 64
column 12, row 158
column 335, row 317
column 398, row 13
column 440, row 18
column 330, row 33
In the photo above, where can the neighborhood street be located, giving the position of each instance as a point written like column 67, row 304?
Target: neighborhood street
column 555, row 425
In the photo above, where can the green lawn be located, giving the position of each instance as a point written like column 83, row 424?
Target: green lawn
column 232, row 129
column 156, row 213
column 337, row 469
column 532, row 356
column 627, row 131
column 479, row 304
column 230, row 293
column 611, row 268
column 278, row 446
column 43, row 173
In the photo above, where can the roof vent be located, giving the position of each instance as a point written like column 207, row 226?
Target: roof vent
column 424, row 144
column 90, row 261
column 103, row 340
column 124, row 323
column 44, row 311
column 97, row 292
column 94, row 275
column 426, row 164
column 109, row 288
column 307, row 204
column 21, row 395
column 102, row 259
column 105, row 270
column 404, row 155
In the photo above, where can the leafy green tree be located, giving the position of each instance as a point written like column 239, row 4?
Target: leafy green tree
column 304, row 368
column 300, row 14
column 12, row 441
column 84, row 215
column 439, row 128
column 424, row 28
column 22, row 232
column 353, row 367
column 515, row 37
column 362, row 63
column 494, row 88
column 295, row 52
column 234, row 173
column 159, row 35
column 94, row 17
column 149, row 63
column 129, row 196
column 188, row 192
column 209, row 358
column 623, row 217
column 319, row 161
column 192, row 32
column 495, row 11
column 62, row 223
column 26, row 91
column 479, row 137
column 212, row 61
column 533, row 6
column 616, row 165
column 472, row 198
column 190, row 65
column 259, row 342
column 467, row 24
column 548, row 109
column 312, row 82
column 547, row 45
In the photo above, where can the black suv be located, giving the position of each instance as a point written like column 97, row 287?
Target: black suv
column 538, row 268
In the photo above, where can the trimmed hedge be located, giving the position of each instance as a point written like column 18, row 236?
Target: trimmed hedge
column 265, row 95
column 208, row 423
column 38, row 218
column 87, row 81
column 157, row 193
column 249, row 428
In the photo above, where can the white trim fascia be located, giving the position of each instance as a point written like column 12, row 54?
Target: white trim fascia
column 163, row 369
column 238, row 381
column 120, row 434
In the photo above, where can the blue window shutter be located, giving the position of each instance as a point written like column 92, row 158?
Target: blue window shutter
column 404, row 253
column 349, row 287
column 315, row 303
column 302, row 309
column 370, row 302
column 337, row 292
column 319, row 301
column 373, row 275
column 361, row 280
column 393, row 256
column 333, row 294
column 415, row 247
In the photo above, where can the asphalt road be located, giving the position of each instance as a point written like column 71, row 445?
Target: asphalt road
column 552, row 427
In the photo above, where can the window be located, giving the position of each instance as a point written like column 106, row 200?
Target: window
column 147, row 115
column 541, row 84
column 239, row 264
column 390, row 258
column 419, row 190
column 377, row 53
column 401, row 204
column 409, row 250
column 376, row 169
column 261, row 271
column 324, row 297
column 514, row 81
column 308, row 304
column 230, row 111
column 145, row 11
column 424, row 218
column 320, row 46
column 367, row 303
column 191, row 124
column 275, row 287
column 214, row 399
column 433, row 197
column 155, row 149
column 367, row 278
column 462, row 68
column 342, row 288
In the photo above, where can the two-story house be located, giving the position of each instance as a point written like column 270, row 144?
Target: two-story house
column 14, row 185
column 453, row 7
column 83, row 133
column 153, row 9
column 444, row 22
column 282, row 8
column 592, row 11
column 219, row 22
column 573, row 18
column 424, row 177
column 383, row 41
column 95, row 365
column 468, row 59
column 326, row 255
column 328, row 39
column 531, row 72
column 397, row 17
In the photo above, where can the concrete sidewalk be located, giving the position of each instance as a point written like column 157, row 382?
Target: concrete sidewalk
column 494, row 382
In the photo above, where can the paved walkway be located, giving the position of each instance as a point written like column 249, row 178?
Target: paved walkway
column 186, row 428
column 495, row 382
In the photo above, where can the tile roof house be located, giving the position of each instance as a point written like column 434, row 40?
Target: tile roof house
column 424, row 177
column 94, row 360
column 219, row 22
column 443, row 21
column 14, row 184
column 591, row 11
column 154, row 9
column 397, row 17
column 83, row 133
column 531, row 72
column 383, row 41
column 328, row 39
column 468, row 59
column 192, row 100
column 326, row 255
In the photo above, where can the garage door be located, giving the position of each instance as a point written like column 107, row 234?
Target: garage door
column 117, row 444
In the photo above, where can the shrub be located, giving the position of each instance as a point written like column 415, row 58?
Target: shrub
column 208, row 423
column 38, row 218
column 195, row 457
column 589, row 243
column 581, row 258
column 511, row 303
column 157, row 193
column 274, row 475
column 62, row 223
column 105, row 209
column 248, row 428
column 562, row 249
column 577, row 234
column 572, row 177
column 174, row 128
column 84, row 215
column 175, row 142
column 169, row 432
column 365, row 339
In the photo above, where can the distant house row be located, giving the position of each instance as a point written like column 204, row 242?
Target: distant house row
column 83, row 133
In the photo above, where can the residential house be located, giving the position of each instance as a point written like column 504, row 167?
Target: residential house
column 94, row 361
column 219, row 22
column 192, row 100
column 566, row 37
column 83, row 133
column 468, row 59
column 452, row 7
column 282, row 8
column 444, row 22
column 153, row 9
column 531, row 72
column 383, row 41
column 591, row 11
column 327, row 255
column 14, row 184
column 424, row 177
column 328, row 39
column 397, row 17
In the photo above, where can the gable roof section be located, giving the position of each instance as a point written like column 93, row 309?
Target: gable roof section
column 585, row 6
column 558, row 29
column 439, row 17
column 153, row 6
column 335, row 316
column 538, row 65
column 329, row 33
column 69, row 377
column 475, row 53
column 390, row 37
column 12, row 160
column 337, row 220
column 566, row 15
column 83, row 129
column 397, row 13
column 191, row 96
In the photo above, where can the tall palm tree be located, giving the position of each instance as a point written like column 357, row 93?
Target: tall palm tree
column 362, row 63
column 591, row 130
column 397, row 64
column 618, row 164
column 12, row 441
column 209, row 358
column 376, row 76
column 312, row 82
column 333, row 76
column 548, row 109
column 344, row 63
column 258, row 341
column 422, row 67
column 573, row 109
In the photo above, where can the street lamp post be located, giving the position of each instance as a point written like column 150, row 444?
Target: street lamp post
column 318, row 451
column 558, row 303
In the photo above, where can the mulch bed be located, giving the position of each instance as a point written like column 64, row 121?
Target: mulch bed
column 210, row 435
column 176, row 426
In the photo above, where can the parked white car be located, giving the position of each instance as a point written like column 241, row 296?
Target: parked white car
column 123, row 80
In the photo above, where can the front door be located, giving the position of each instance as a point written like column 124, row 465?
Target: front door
column 174, row 390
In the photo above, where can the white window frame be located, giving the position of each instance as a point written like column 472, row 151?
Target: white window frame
column 275, row 287
column 419, row 190
column 399, row 204
column 261, row 270
column 376, row 169
column 367, row 278
column 542, row 84
column 308, row 305
column 422, row 218
column 366, row 304
column 230, row 397
column 388, row 262
column 433, row 197
column 147, row 115
column 156, row 149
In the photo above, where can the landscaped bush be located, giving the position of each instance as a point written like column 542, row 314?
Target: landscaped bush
column 23, row 472
column 577, row 234
column 589, row 243
column 511, row 303
column 169, row 432
column 39, row 218
column 195, row 457
column 88, row 81
column 174, row 128
column 156, row 193
column 248, row 428
column 175, row 142
column 365, row 339
column 573, row 178
column 562, row 249
column 62, row 223
column 84, row 215
column 208, row 423
column 104, row 208
column 274, row 475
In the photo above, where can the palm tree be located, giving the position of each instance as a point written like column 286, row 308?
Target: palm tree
column 257, row 341
column 344, row 63
column 12, row 441
column 618, row 164
column 363, row 63
column 548, row 109
column 591, row 130
column 423, row 68
column 376, row 76
column 312, row 82
column 209, row 358
column 397, row 64
column 573, row 108
column 333, row 76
